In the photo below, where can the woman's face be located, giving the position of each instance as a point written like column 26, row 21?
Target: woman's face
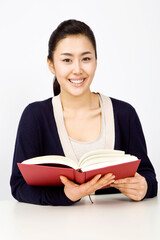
column 74, row 64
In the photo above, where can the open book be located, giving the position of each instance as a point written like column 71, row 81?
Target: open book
column 46, row 170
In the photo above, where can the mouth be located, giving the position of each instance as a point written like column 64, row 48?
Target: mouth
column 77, row 81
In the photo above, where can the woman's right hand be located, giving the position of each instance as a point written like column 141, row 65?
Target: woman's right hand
column 75, row 191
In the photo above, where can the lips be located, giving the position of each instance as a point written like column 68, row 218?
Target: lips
column 77, row 80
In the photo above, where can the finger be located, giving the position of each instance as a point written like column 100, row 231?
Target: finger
column 131, row 193
column 127, row 192
column 128, row 185
column 137, row 174
column 107, row 176
column 90, row 185
column 66, row 181
column 94, row 180
column 106, row 179
column 104, row 184
column 127, row 180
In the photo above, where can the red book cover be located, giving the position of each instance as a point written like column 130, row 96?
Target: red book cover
column 41, row 175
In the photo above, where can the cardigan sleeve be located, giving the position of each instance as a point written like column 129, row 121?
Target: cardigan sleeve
column 129, row 137
column 28, row 145
column 137, row 147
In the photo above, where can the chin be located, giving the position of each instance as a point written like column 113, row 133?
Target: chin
column 81, row 91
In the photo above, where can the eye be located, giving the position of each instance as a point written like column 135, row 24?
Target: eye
column 67, row 60
column 86, row 59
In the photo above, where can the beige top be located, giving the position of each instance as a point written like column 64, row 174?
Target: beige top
column 81, row 148
column 64, row 138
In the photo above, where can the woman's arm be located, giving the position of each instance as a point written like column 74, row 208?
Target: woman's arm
column 144, row 183
column 29, row 143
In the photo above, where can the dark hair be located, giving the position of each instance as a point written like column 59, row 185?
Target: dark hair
column 66, row 28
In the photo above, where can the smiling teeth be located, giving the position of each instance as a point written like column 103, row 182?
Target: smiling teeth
column 77, row 81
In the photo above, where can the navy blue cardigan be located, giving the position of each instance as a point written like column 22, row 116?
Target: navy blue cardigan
column 37, row 136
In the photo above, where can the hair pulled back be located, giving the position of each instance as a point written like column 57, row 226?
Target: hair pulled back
column 66, row 28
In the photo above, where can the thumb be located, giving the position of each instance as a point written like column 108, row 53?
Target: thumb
column 137, row 174
column 65, row 180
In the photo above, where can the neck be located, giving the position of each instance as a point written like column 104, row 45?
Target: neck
column 74, row 103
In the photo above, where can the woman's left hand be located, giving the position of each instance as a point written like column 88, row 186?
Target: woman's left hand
column 133, row 187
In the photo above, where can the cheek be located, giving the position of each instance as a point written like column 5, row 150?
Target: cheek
column 61, row 70
column 91, row 69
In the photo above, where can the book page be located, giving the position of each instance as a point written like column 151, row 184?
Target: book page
column 97, row 153
column 52, row 159
column 106, row 162
column 102, row 158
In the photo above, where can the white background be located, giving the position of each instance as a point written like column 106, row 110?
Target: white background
column 128, row 44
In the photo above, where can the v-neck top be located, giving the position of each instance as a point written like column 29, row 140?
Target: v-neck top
column 80, row 148
column 108, row 133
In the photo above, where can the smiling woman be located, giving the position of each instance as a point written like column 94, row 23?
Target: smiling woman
column 76, row 121
column 74, row 29
column 75, row 68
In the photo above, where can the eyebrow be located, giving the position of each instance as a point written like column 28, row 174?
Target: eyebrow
column 70, row 54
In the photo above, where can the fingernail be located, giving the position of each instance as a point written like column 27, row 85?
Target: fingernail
column 61, row 178
column 110, row 175
column 113, row 176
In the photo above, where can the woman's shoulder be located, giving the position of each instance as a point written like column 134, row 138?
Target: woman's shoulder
column 38, row 107
column 40, row 104
column 120, row 106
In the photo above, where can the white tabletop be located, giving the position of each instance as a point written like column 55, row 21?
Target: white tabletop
column 110, row 217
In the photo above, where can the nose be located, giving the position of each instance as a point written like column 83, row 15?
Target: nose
column 77, row 68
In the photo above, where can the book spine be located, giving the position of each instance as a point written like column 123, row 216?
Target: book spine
column 80, row 177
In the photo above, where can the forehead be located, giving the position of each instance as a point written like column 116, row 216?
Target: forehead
column 74, row 44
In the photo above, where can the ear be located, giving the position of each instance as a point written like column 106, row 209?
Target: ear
column 51, row 66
